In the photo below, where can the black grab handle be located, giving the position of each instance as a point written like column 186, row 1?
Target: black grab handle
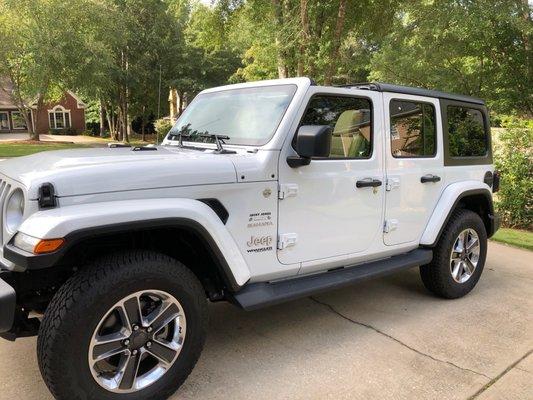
column 430, row 178
column 368, row 183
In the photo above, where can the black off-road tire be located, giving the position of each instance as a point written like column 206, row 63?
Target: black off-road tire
column 436, row 275
column 77, row 307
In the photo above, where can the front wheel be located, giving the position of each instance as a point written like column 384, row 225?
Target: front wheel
column 458, row 257
column 130, row 326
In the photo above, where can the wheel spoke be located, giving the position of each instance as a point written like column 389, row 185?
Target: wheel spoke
column 128, row 373
column 456, row 270
column 163, row 316
column 132, row 310
column 108, row 346
column 473, row 244
column 460, row 270
column 470, row 267
column 162, row 352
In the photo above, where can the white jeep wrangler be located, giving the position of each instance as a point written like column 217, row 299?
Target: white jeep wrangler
column 261, row 193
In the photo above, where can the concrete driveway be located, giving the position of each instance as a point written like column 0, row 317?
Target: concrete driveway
column 385, row 339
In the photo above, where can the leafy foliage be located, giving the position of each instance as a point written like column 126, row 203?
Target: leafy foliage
column 162, row 127
column 481, row 48
column 514, row 160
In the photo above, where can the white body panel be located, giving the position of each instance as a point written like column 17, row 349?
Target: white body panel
column 409, row 203
column 330, row 216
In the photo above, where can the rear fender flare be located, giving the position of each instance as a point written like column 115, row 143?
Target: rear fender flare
column 448, row 201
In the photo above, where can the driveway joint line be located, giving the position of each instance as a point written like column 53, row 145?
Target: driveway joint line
column 333, row 310
column 500, row 375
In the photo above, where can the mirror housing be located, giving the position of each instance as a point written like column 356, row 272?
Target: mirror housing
column 311, row 141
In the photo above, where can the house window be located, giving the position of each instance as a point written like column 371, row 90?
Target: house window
column 59, row 118
column 18, row 120
column 4, row 121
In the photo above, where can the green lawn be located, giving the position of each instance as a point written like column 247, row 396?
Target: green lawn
column 515, row 237
column 14, row 149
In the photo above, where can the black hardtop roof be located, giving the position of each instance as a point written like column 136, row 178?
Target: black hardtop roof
column 388, row 87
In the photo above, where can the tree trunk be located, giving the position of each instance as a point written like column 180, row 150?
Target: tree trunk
column 304, row 37
column 332, row 67
column 143, row 136
column 283, row 70
column 102, row 118
column 313, row 44
column 32, row 125
column 181, row 99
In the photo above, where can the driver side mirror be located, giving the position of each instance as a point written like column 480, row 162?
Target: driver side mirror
column 311, row 141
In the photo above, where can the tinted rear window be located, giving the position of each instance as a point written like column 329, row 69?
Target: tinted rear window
column 467, row 133
column 413, row 129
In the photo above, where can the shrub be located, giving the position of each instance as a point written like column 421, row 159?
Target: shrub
column 514, row 160
column 64, row 131
column 162, row 127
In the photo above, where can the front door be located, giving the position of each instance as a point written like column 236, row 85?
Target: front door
column 333, row 207
column 413, row 154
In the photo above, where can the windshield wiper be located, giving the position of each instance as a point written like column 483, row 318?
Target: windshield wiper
column 219, row 140
column 187, row 132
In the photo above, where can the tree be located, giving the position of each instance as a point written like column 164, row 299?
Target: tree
column 47, row 46
column 480, row 48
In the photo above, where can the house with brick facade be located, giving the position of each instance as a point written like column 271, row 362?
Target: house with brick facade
column 66, row 115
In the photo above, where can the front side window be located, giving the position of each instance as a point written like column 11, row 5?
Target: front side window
column 248, row 116
column 4, row 121
column 18, row 120
column 467, row 136
column 59, row 118
column 413, row 129
column 351, row 121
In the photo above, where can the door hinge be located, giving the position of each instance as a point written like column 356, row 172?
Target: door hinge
column 287, row 240
column 392, row 183
column 287, row 190
column 390, row 225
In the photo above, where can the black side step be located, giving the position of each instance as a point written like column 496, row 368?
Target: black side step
column 257, row 295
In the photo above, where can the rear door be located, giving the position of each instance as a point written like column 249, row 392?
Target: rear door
column 414, row 165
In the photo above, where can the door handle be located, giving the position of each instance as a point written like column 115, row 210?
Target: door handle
column 430, row 178
column 369, row 182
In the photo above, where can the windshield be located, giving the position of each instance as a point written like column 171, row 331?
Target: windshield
column 248, row 116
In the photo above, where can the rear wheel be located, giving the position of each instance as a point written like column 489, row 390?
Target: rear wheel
column 458, row 258
column 130, row 326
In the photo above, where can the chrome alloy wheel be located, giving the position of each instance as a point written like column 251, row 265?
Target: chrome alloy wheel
column 137, row 341
column 465, row 255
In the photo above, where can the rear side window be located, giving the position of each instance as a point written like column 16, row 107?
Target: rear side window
column 350, row 119
column 467, row 136
column 413, row 129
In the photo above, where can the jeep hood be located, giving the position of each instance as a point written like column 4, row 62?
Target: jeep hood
column 88, row 171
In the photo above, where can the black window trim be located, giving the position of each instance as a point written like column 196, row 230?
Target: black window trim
column 293, row 141
column 435, row 151
column 450, row 161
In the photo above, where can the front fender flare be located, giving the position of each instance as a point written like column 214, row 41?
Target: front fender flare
column 448, row 200
column 78, row 222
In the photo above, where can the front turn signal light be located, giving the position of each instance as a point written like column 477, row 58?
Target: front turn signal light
column 48, row 246
column 35, row 245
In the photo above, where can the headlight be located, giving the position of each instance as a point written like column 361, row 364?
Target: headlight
column 14, row 210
